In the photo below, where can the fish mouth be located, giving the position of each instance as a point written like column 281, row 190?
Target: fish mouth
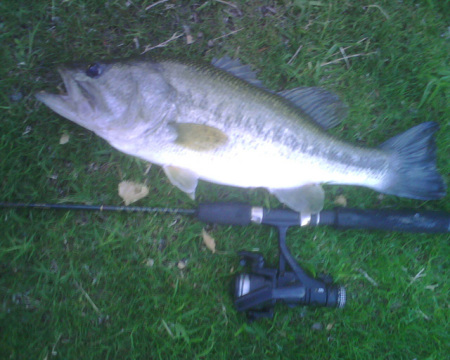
column 77, row 104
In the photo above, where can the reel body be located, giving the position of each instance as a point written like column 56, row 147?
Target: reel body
column 257, row 291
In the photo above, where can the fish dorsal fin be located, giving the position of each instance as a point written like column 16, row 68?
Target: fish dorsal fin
column 323, row 106
column 199, row 137
column 234, row 67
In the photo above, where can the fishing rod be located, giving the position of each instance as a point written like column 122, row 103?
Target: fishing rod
column 244, row 214
column 257, row 291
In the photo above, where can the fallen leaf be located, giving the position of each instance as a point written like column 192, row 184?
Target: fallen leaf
column 341, row 200
column 209, row 241
column 64, row 139
column 149, row 262
column 131, row 192
column 189, row 39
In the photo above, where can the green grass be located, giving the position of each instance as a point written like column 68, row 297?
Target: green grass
column 78, row 285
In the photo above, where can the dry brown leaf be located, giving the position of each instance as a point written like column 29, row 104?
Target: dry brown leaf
column 189, row 39
column 131, row 192
column 149, row 262
column 209, row 241
column 341, row 200
column 64, row 139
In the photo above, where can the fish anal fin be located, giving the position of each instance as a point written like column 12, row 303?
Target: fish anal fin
column 307, row 199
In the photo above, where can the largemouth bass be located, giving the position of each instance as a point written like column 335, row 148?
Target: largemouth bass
column 219, row 124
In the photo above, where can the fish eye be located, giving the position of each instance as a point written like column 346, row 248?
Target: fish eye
column 94, row 70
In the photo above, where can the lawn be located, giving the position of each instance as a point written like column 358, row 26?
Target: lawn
column 98, row 285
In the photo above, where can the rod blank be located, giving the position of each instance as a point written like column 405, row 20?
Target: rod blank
column 99, row 208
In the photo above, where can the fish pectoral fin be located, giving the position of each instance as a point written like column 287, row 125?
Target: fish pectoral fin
column 199, row 137
column 307, row 199
column 183, row 179
column 323, row 106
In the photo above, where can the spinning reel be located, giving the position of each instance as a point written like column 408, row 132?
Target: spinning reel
column 257, row 292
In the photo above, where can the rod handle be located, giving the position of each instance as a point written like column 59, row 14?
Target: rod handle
column 225, row 213
column 392, row 220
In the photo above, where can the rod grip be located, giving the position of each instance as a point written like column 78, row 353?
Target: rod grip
column 401, row 220
column 225, row 213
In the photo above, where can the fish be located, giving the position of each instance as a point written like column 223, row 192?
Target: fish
column 217, row 122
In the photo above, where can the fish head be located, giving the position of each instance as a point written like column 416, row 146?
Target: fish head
column 113, row 99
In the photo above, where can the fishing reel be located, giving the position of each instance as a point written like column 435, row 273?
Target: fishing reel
column 257, row 292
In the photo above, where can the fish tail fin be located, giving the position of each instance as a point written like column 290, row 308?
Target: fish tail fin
column 414, row 164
